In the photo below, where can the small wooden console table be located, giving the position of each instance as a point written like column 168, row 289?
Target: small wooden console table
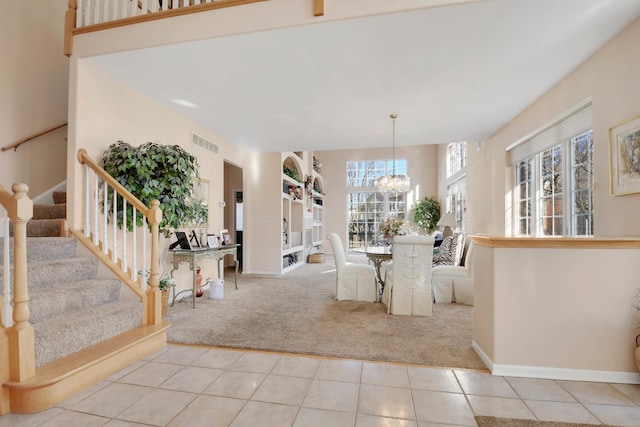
column 193, row 256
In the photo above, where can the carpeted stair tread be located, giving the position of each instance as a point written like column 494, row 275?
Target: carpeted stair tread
column 44, row 227
column 59, row 197
column 64, row 335
column 50, row 302
column 59, row 271
column 44, row 248
column 50, row 211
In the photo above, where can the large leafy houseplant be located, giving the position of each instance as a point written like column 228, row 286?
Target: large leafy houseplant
column 154, row 171
column 426, row 213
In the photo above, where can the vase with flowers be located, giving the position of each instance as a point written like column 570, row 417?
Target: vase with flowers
column 390, row 227
column 164, row 286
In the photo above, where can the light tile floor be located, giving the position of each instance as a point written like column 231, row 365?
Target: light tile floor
column 198, row 386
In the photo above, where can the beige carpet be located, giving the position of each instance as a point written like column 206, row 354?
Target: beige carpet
column 483, row 421
column 296, row 313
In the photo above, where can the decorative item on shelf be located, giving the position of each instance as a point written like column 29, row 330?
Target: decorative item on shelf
column 295, row 192
column 317, row 255
column 394, row 183
column 316, row 164
column 291, row 172
column 447, row 221
column 426, row 213
column 285, row 233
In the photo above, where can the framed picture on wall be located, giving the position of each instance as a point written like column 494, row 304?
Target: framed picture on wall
column 624, row 153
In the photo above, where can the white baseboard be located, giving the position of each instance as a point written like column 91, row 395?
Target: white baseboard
column 618, row 377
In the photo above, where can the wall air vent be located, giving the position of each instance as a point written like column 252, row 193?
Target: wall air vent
column 204, row 143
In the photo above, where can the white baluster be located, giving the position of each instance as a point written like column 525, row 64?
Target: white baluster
column 175, row 4
column 87, row 189
column 154, row 6
column 105, row 211
column 96, row 232
column 124, row 234
column 144, row 251
column 133, row 8
column 134, row 249
column 196, row 2
column 80, row 14
column 114, row 245
column 115, row 8
column 106, row 11
column 144, row 7
column 7, row 309
column 97, row 12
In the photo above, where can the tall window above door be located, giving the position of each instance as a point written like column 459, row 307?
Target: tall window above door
column 366, row 206
column 553, row 182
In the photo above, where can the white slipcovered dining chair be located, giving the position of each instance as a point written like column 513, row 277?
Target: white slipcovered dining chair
column 353, row 281
column 454, row 283
column 407, row 289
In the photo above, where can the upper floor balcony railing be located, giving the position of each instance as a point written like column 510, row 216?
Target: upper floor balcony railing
column 93, row 15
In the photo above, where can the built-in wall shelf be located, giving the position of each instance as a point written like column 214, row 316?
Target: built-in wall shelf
column 302, row 208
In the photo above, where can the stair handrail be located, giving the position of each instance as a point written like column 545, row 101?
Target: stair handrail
column 117, row 258
column 16, row 319
column 15, row 145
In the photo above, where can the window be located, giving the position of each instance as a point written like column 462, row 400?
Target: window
column 456, row 158
column 456, row 201
column 366, row 207
column 553, row 184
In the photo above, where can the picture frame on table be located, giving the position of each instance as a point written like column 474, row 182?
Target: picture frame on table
column 182, row 241
column 212, row 241
column 624, row 155
column 225, row 237
column 193, row 240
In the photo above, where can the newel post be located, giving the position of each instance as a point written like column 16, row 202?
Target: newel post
column 154, row 299
column 69, row 25
column 21, row 336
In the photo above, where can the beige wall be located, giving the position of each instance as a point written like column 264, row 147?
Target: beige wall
column 610, row 76
column 33, row 88
column 104, row 111
column 421, row 163
column 569, row 310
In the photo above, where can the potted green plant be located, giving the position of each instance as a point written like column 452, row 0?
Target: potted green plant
column 426, row 213
column 636, row 304
column 154, row 171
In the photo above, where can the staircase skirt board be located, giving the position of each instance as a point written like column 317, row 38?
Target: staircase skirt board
column 62, row 379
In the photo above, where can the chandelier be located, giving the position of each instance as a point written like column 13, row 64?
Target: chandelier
column 394, row 183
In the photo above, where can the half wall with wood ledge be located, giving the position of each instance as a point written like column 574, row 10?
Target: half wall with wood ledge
column 557, row 308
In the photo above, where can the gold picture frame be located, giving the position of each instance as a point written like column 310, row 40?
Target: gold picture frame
column 624, row 156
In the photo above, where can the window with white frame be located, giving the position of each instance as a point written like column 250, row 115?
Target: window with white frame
column 456, row 201
column 456, row 158
column 366, row 206
column 553, row 183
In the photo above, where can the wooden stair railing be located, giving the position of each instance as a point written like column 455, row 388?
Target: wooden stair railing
column 101, row 196
column 83, row 16
column 29, row 138
column 17, row 350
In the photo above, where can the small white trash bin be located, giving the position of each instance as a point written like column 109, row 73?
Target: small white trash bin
column 216, row 289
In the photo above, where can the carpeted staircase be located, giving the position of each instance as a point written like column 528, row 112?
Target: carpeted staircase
column 70, row 307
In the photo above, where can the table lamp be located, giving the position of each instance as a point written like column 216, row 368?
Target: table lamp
column 447, row 221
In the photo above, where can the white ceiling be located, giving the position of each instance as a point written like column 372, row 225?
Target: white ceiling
column 451, row 73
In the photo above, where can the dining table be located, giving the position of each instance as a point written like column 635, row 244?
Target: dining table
column 377, row 255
